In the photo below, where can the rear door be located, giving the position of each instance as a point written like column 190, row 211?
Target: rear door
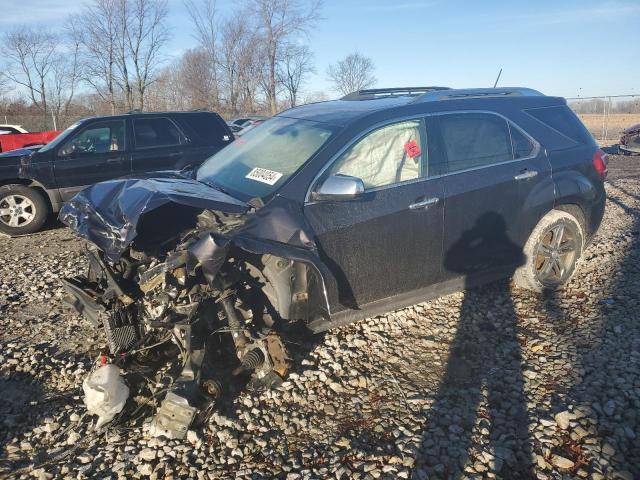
column 207, row 134
column 497, row 183
column 159, row 144
column 387, row 241
column 96, row 152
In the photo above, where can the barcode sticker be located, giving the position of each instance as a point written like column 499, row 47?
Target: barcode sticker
column 263, row 175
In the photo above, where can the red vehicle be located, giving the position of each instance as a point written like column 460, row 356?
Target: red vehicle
column 14, row 141
column 630, row 140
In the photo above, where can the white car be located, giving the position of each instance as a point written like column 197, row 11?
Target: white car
column 9, row 129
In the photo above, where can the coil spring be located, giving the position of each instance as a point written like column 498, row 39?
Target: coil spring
column 253, row 359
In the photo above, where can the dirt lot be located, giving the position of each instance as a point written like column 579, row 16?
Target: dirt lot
column 616, row 123
column 490, row 383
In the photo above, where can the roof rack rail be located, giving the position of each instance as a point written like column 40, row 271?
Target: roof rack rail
column 460, row 93
column 372, row 93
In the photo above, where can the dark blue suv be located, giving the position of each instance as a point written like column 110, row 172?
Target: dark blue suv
column 335, row 211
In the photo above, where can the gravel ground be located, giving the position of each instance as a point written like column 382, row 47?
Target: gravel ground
column 494, row 382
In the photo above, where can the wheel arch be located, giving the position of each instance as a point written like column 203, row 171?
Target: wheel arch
column 51, row 196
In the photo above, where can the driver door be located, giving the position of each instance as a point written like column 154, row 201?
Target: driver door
column 386, row 241
column 96, row 153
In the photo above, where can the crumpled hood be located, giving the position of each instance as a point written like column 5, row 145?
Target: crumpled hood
column 108, row 213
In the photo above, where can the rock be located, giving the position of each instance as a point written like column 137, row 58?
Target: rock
column 608, row 450
column 562, row 419
column 147, row 454
column 145, row 469
column 561, row 462
column 192, row 437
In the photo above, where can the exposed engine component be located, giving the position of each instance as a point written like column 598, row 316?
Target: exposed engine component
column 219, row 315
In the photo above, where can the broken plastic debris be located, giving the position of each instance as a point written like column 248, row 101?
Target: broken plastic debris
column 173, row 418
column 105, row 393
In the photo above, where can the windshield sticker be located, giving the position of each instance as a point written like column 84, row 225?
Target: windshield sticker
column 263, row 175
column 412, row 148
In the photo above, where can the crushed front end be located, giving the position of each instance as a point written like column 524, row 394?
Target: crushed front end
column 203, row 302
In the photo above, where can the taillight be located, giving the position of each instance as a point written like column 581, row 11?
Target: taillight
column 600, row 161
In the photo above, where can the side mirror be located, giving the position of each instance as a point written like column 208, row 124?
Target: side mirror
column 66, row 150
column 339, row 187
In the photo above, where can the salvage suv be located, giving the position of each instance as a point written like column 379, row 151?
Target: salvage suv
column 328, row 213
column 34, row 182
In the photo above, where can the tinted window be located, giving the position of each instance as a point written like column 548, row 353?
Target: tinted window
column 208, row 127
column 563, row 120
column 98, row 138
column 388, row 155
column 259, row 162
column 522, row 146
column 155, row 132
column 6, row 130
column 474, row 140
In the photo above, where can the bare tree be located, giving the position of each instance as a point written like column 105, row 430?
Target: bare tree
column 31, row 55
column 146, row 33
column 204, row 18
column 196, row 79
column 96, row 31
column 65, row 76
column 296, row 64
column 120, row 47
column 277, row 21
column 353, row 73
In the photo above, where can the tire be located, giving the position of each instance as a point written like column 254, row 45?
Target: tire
column 22, row 210
column 546, row 266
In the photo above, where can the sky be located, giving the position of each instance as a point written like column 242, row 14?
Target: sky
column 560, row 47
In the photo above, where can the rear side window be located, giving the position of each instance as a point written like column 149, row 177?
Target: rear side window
column 208, row 127
column 474, row 140
column 562, row 120
column 155, row 132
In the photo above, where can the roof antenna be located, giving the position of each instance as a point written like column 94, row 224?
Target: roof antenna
column 496, row 84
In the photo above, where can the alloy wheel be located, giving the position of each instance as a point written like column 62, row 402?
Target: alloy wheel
column 16, row 211
column 556, row 254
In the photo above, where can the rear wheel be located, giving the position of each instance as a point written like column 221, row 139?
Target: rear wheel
column 551, row 252
column 22, row 210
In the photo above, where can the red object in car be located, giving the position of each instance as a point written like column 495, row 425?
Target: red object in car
column 600, row 161
column 20, row 140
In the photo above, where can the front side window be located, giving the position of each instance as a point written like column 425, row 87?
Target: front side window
column 391, row 154
column 155, row 132
column 98, row 138
column 474, row 140
column 261, row 161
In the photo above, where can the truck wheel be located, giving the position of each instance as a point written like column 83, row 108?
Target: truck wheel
column 22, row 210
column 551, row 252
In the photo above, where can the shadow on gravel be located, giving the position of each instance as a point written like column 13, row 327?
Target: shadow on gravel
column 605, row 401
column 484, row 367
column 17, row 392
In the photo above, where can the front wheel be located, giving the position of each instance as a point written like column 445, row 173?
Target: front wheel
column 22, row 210
column 551, row 252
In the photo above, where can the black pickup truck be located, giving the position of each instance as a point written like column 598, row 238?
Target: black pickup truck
column 36, row 182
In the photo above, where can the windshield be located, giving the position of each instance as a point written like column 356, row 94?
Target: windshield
column 258, row 163
column 60, row 138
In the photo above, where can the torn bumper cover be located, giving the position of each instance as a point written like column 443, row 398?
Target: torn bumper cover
column 180, row 264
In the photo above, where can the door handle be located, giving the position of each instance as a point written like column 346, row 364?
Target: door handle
column 526, row 174
column 114, row 160
column 424, row 204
